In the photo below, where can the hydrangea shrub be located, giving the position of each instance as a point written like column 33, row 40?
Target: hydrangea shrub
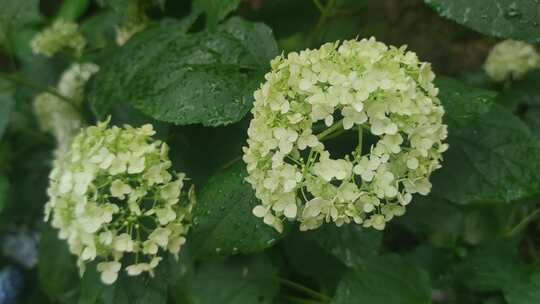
column 269, row 151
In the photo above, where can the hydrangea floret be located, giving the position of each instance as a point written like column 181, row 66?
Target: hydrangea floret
column 511, row 59
column 60, row 35
column 61, row 117
column 379, row 94
column 114, row 198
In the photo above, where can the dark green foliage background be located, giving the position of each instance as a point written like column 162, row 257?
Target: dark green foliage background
column 192, row 74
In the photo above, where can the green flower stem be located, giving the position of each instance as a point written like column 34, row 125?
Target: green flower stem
column 524, row 223
column 35, row 87
column 306, row 290
column 231, row 162
column 326, row 12
column 360, row 140
column 319, row 5
column 336, row 127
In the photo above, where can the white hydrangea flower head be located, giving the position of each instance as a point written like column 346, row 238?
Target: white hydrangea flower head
column 378, row 92
column 114, row 198
column 60, row 35
column 511, row 59
column 61, row 117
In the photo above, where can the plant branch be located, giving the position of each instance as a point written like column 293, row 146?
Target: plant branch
column 36, row 87
column 306, row 290
column 319, row 6
column 360, row 139
column 523, row 224
column 335, row 127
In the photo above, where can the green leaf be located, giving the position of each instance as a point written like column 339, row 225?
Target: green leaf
column 73, row 9
column 207, row 77
column 15, row 14
column 438, row 220
column 215, row 10
column 485, row 222
column 222, row 220
column 491, row 267
column 57, row 270
column 532, row 119
column 525, row 292
column 126, row 290
column 493, row 157
column 320, row 265
column 194, row 149
column 351, row 243
column 382, row 280
column 7, row 102
column 99, row 30
column 250, row 279
column 433, row 260
column 518, row 19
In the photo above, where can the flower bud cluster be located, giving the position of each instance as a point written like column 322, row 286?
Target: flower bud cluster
column 378, row 92
column 60, row 35
column 114, row 197
column 511, row 59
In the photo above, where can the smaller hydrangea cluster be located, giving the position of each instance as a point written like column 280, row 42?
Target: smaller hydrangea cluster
column 511, row 59
column 114, row 198
column 60, row 35
column 363, row 87
column 59, row 116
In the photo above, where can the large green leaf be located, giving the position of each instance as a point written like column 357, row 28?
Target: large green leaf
column 6, row 100
column 532, row 119
column 382, row 280
column 323, row 267
column 207, row 78
column 215, row 10
column 195, row 146
column 73, row 9
column 351, row 243
column 527, row 292
column 250, row 279
column 222, row 220
column 518, row 19
column 439, row 221
column 57, row 270
column 15, row 14
column 493, row 156
column 491, row 267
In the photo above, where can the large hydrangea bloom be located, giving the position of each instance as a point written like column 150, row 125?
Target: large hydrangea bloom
column 383, row 94
column 60, row 35
column 114, row 197
column 511, row 59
